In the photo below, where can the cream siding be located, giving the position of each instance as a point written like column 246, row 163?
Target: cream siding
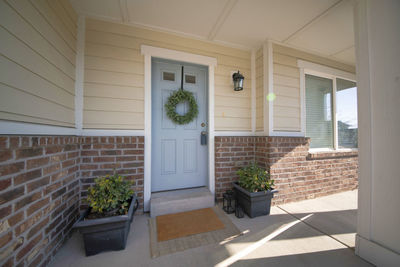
column 37, row 61
column 114, row 76
column 259, row 90
column 286, row 76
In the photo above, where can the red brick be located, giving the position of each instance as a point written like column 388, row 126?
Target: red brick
column 103, row 159
column 11, row 194
column 3, row 142
column 28, row 152
column 5, row 155
column 5, row 183
column 33, row 163
column 37, row 206
column 27, row 200
column 27, row 248
column 16, row 218
column 89, row 153
column 27, row 176
column 53, row 149
column 37, row 184
column 5, row 211
column 34, row 230
column 5, row 239
column 52, row 168
column 11, row 168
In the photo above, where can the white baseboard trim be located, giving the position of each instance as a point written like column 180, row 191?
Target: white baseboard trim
column 375, row 253
column 22, row 128
column 98, row 132
column 228, row 133
column 26, row 128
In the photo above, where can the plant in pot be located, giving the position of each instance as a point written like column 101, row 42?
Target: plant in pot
column 105, row 224
column 254, row 190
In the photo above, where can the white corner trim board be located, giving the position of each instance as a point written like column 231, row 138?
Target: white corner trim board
column 149, row 52
column 253, row 90
column 79, row 73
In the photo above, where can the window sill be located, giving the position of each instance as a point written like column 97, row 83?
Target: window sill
column 332, row 154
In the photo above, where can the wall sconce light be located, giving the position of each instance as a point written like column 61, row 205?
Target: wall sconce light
column 237, row 81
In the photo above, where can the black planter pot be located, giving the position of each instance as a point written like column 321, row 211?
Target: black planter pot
column 254, row 204
column 108, row 233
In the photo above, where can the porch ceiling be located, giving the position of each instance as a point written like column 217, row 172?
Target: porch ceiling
column 324, row 27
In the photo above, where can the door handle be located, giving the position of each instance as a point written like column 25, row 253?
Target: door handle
column 203, row 138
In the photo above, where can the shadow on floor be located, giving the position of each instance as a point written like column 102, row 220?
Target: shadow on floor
column 336, row 257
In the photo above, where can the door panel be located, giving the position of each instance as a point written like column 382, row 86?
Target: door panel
column 178, row 158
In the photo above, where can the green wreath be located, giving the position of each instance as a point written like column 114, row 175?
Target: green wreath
column 181, row 96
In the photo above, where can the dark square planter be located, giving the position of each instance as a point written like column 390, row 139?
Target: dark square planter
column 108, row 233
column 254, row 204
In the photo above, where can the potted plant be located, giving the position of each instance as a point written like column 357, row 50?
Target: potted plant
column 254, row 190
column 105, row 224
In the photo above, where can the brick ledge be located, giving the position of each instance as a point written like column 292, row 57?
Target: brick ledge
column 331, row 155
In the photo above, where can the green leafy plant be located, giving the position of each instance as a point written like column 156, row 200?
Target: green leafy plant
column 254, row 179
column 181, row 96
column 110, row 195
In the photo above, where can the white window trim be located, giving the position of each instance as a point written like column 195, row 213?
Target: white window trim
column 329, row 73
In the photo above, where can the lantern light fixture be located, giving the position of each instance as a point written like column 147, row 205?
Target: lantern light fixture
column 237, row 81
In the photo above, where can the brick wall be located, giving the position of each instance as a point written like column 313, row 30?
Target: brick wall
column 298, row 174
column 43, row 181
column 231, row 153
column 101, row 155
column 39, row 196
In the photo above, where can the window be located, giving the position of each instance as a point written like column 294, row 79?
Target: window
column 331, row 112
column 168, row 76
column 190, row 79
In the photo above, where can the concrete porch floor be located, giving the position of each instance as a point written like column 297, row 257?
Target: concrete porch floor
column 308, row 233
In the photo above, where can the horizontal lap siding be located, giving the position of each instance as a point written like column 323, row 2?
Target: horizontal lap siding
column 114, row 76
column 37, row 61
column 286, row 75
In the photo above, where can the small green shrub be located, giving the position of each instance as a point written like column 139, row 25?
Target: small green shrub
column 110, row 195
column 254, row 179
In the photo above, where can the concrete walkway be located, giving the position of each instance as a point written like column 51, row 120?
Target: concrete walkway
column 317, row 232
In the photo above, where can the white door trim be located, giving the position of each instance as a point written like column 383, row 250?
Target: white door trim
column 149, row 52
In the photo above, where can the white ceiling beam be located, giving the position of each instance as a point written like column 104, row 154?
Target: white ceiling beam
column 123, row 6
column 313, row 21
column 226, row 11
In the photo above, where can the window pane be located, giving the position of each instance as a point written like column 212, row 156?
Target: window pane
column 168, row 76
column 346, row 113
column 319, row 125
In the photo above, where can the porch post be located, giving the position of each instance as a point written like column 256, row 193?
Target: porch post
column 377, row 39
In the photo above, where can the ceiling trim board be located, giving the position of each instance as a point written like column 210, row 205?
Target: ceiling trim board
column 226, row 11
column 313, row 21
column 168, row 31
column 341, row 50
column 316, row 53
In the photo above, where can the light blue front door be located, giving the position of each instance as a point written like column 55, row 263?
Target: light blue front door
column 179, row 160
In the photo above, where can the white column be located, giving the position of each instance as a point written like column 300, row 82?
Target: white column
column 377, row 37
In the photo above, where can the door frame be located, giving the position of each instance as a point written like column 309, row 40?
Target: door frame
column 149, row 52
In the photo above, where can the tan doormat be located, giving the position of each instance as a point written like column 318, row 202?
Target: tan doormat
column 182, row 224
column 178, row 232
